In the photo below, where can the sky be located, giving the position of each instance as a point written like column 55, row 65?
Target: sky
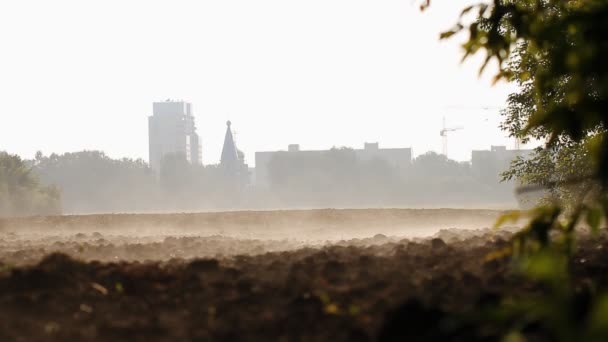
column 83, row 74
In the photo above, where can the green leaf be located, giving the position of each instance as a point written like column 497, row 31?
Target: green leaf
column 599, row 316
column 466, row 10
column 594, row 216
column 447, row 34
column 547, row 266
column 508, row 217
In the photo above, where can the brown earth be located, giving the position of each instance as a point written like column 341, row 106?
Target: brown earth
column 79, row 279
column 322, row 224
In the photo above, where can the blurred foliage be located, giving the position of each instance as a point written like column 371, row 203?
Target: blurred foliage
column 21, row 193
column 556, row 52
column 556, row 308
column 558, row 172
column 563, row 167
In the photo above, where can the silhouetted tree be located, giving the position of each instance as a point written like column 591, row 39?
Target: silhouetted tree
column 90, row 181
column 21, row 192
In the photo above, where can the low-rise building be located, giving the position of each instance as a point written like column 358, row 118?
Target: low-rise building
column 488, row 165
column 395, row 157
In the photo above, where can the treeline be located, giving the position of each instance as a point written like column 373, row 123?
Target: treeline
column 92, row 182
column 21, row 193
column 338, row 178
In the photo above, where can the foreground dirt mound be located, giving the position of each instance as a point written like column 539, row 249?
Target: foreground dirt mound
column 389, row 291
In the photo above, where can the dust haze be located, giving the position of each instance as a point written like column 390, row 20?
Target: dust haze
column 162, row 237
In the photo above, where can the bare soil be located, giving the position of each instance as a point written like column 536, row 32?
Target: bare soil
column 255, row 276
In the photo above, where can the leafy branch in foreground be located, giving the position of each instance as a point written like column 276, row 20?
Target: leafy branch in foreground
column 556, row 53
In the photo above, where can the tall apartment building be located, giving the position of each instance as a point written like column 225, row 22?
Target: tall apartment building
column 172, row 130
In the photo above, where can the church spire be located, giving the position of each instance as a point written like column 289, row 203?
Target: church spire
column 230, row 157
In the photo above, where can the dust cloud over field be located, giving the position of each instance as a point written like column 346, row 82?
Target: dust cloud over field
column 316, row 275
column 321, row 275
column 158, row 237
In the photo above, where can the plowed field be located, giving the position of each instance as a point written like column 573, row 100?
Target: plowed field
column 324, row 275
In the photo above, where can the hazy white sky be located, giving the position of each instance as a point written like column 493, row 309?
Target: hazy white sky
column 83, row 74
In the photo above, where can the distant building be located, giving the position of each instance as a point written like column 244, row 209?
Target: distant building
column 232, row 162
column 487, row 165
column 172, row 130
column 396, row 157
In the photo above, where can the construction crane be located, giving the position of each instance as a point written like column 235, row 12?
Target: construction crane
column 486, row 108
column 444, row 136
